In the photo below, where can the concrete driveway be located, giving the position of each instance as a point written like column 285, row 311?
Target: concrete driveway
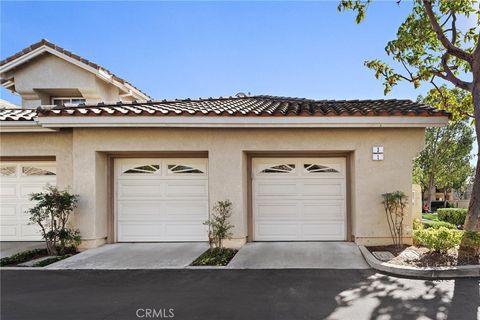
column 9, row 248
column 135, row 256
column 299, row 255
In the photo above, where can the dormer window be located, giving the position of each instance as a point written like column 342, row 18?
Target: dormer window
column 67, row 101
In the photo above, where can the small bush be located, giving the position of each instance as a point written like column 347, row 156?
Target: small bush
column 23, row 257
column 218, row 225
column 439, row 224
column 438, row 240
column 454, row 216
column 215, row 257
column 417, row 224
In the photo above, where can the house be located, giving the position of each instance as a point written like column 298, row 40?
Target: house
column 295, row 169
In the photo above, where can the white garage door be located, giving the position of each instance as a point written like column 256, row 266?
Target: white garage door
column 161, row 199
column 299, row 199
column 17, row 182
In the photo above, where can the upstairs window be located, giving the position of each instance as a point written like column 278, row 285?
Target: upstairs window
column 67, row 101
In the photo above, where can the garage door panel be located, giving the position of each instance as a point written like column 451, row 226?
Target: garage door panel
column 323, row 189
column 324, row 211
column 278, row 211
column 185, row 231
column 276, row 188
column 8, row 191
column 186, row 188
column 169, row 204
column 8, row 210
column 141, row 231
column 272, row 231
column 323, row 231
column 18, row 180
column 307, row 203
column 139, row 188
column 192, row 210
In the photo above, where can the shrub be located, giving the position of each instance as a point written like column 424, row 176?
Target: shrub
column 219, row 227
column 51, row 212
column 394, row 204
column 454, row 216
column 417, row 224
column 439, row 224
column 438, row 240
column 23, row 257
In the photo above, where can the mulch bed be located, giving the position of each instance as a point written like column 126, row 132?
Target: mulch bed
column 425, row 257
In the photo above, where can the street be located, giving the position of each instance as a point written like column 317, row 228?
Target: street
column 232, row 294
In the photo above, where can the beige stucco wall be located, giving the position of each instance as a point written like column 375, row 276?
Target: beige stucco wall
column 48, row 75
column 227, row 151
column 416, row 201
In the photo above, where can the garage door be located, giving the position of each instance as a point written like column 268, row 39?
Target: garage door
column 17, row 182
column 161, row 199
column 299, row 199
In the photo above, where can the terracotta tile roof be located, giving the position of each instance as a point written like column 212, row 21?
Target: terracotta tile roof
column 238, row 106
column 45, row 42
column 253, row 106
column 17, row 114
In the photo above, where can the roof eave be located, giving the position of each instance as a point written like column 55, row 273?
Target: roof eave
column 245, row 122
column 23, row 126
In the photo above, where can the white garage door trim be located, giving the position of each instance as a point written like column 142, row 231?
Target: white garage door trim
column 299, row 199
column 161, row 199
column 17, row 181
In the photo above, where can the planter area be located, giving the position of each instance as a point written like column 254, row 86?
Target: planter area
column 215, row 257
column 36, row 258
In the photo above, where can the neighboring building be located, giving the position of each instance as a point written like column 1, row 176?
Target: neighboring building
column 8, row 105
column 294, row 169
column 45, row 74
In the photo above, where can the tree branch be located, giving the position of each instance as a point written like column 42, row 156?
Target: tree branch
column 449, row 76
column 451, row 48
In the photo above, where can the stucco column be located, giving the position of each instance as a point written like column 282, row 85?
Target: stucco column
column 226, row 182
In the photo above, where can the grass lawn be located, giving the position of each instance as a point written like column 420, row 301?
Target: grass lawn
column 215, row 257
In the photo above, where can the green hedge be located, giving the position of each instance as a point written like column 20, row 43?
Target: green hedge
column 452, row 215
column 439, row 240
column 438, row 224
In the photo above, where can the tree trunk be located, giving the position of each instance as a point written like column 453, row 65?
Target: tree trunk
column 430, row 193
column 472, row 221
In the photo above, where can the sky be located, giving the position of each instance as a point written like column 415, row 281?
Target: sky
column 206, row 49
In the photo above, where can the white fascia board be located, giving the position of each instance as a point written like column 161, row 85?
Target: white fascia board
column 101, row 73
column 241, row 122
column 23, row 126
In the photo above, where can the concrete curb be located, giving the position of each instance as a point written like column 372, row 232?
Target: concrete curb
column 467, row 271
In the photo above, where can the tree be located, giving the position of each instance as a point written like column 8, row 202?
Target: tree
column 51, row 213
column 431, row 46
column 445, row 161
column 219, row 226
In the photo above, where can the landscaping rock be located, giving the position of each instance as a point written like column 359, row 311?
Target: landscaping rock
column 383, row 255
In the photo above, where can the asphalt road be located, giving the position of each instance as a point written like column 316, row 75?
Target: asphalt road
column 232, row 294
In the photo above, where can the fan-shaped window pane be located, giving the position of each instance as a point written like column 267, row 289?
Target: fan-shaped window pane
column 281, row 168
column 34, row 171
column 8, row 171
column 316, row 168
column 149, row 168
column 180, row 168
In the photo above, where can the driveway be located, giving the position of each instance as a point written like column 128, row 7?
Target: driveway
column 135, row 256
column 232, row 294
column 9, row 248
column 299, row 255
